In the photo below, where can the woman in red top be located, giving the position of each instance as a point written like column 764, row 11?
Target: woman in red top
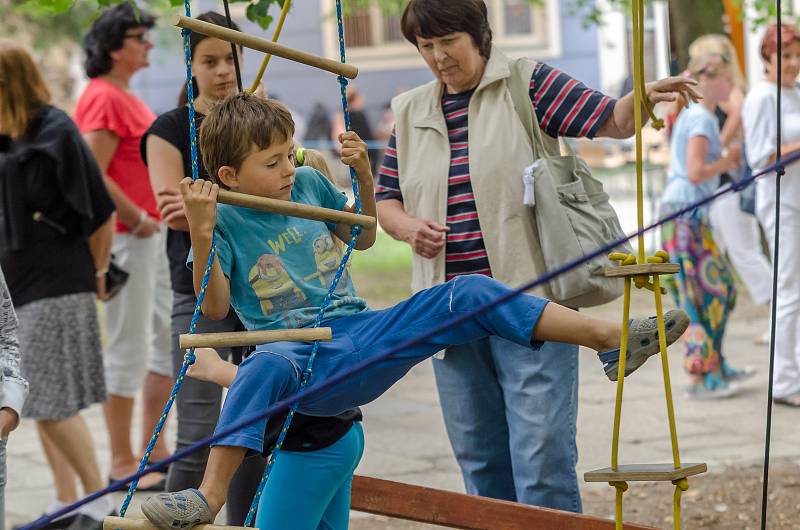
column 113, row 120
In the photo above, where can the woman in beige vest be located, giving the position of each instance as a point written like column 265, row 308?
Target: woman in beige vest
column 511, row 424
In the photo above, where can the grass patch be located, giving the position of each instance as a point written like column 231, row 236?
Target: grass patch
column 382, row 274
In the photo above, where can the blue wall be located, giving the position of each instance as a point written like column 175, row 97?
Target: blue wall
column 300, row 86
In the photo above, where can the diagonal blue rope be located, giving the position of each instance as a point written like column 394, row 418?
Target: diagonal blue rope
column 189, row 358
column 314, row 390
column 356, row 230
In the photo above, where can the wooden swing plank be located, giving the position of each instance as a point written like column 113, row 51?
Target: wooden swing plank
column 256, row 43
column 645, row 473
column 131, row 523
column 468, row 512
column 294, row 209
column 233, row 339
column 643, row 269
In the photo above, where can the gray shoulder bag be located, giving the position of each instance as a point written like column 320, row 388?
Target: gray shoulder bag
column 573, row 215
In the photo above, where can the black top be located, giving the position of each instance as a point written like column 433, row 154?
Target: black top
column 52, row 198
column 173, row 126
column 307, row 433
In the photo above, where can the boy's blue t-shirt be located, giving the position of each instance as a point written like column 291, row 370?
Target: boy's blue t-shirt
column 281, row 267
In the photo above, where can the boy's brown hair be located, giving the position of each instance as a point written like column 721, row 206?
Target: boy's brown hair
column 238, row 123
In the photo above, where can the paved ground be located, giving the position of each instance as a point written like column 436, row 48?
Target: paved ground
column 406, row 439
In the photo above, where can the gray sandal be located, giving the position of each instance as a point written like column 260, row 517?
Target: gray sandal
column 643, row 341
column 177, row 511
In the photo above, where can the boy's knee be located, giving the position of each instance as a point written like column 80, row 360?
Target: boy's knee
column 265, row 365
column 472, row 290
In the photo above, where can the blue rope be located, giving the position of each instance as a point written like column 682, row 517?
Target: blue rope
column 189, row 358
column 314, row 390
column 355, row 231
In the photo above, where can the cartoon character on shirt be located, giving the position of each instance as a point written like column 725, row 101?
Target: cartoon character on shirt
column 327, row 258
column 274, row 288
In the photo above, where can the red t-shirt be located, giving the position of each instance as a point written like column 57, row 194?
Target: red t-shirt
column 104, row 105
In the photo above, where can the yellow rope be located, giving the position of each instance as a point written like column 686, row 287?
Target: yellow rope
column 275, row 36
column 643, row 282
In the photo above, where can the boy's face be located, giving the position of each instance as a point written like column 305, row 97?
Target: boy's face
column 265, row 172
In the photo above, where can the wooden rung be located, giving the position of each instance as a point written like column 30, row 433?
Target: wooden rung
column 294, row 209
column 233, row 339
column 643, row 269
column 132, row 523
column 256, row 43
column 644, row 473
column 468, row 512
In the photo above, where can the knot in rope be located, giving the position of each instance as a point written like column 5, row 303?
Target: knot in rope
column 682, row 484
column 622, row 487
column 190, row 357
column 642, row 281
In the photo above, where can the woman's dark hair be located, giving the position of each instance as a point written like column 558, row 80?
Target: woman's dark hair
column 107, row 34
column 195, row 38
column 435, row 18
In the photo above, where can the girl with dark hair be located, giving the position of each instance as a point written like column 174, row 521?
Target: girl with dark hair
column 167, row 151
column 113, row 121
column 55, row 242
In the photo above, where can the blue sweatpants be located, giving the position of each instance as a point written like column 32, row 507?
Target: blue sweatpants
column 274, row 371
column 311, row 490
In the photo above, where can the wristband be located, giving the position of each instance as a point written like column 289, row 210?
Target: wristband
column 140, row 222
column 100, row 273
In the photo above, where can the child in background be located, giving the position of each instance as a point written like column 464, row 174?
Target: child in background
column 268, row 267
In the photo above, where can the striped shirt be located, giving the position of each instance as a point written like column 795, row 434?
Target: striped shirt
column 563, row 106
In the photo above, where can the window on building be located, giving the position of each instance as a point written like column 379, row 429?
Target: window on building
column 375, row 42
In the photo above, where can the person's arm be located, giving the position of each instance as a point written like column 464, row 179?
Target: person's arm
column 165, row 163
column 621, row 123
column 103, row 143
column 698, row 170
column 354, row 154
column 200, row 197
column 100, row 248
column 427, row 238
column 208, row 366
column 14, row 386
column 732, row 130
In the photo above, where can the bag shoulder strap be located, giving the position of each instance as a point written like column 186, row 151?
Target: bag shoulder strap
column 519, row 87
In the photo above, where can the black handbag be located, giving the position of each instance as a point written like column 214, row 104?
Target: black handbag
column 116, row 277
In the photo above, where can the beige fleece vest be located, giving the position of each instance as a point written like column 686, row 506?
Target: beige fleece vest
column 499, row 151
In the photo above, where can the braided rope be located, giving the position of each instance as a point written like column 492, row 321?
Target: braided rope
column 356, row 230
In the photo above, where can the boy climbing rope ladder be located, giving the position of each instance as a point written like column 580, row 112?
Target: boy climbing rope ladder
column 261, row 267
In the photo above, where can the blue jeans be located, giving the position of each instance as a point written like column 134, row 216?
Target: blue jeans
column 526, row 404
column 274, row 371
column 311, row 490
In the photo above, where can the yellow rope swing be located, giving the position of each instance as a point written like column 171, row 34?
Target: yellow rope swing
column 643, row 272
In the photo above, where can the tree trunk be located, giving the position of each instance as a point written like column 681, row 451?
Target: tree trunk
column 690, row 19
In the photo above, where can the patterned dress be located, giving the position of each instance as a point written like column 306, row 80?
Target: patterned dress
column 704, row 288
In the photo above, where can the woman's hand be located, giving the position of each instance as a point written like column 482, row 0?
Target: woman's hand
column 733, row 156
column 102, row 291
column 170, row 206
column 147, row 227
column 200, row 204
column 9, row 419
column 669, row 88
column 426, row 237
column 354, row 154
